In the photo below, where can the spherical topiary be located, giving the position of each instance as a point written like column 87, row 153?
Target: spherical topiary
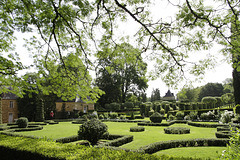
column 176, row 130
column 92, row 131
column 156, row 117
column 22, row 122
column 137, row 129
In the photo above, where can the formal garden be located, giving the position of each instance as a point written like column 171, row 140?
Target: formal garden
column 178, row 134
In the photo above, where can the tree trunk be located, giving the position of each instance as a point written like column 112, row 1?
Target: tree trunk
column 1, row 110
column 236, row 85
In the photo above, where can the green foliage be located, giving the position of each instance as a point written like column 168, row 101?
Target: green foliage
column 113, row 115
column 155, row 96
column 92, row 131
column 180, row 115
column 211, row 101
column 237, row 109
column 233, row 149
column 22, row 122
column 120, row 70
column 156, row 117
column 92, row 115
column 128, row 105
column 177, row 130
column 101, row 116
column 17, row 147
column 137, row 129
column 208, row 116
column 211, row 90
column 226, row 116
column 227, row 98
column 193, row 115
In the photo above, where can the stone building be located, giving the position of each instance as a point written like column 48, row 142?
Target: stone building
column 9, row 107
column 75, row 105
column 169, row 96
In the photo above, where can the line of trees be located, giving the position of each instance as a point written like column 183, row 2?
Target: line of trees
column 225, row 91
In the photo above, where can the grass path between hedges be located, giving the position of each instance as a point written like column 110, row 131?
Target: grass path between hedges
column 150, row 135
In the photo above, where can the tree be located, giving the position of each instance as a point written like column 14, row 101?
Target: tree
column 218, row 23
column 155, row 96
column 228, row 85
column 189, row 94
column 121, row 71
column 68, row 26
column 211, row 89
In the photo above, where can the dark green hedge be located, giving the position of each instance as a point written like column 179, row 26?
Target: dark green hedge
column 223, row 134
column 214, row 125
column 177, row 130
column 68, row 139
column 162, row 124
column 155, row 147
column 21, row 148
column 29, row 128
column 137, row 129
column 119, row 141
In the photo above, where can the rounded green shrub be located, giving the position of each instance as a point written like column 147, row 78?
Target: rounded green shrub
column 137, row 129
column 177, row 130
column 101, row 116
column 179, row 115
column 92, row 131
column 22, row 122
column 156, row 117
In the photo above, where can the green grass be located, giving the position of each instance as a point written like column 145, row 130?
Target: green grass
column 194, row 152
column 63, row 129
column 150, row 135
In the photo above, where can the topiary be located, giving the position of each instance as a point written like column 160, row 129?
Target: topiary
column 179, row 115
column 92, row 131
column 22, row 122
column 101, row 116
column 177, row 130
column 156, row 117
column 137, row 129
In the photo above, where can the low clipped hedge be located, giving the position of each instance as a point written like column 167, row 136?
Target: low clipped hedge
column 29, row 128
column 207, row 125
column 68, row 139
column 22, row 148
column 223, row 134
column 158, row 146
column 137, row 129
column 177, row 130
column 162, row 124
column 223, row 128
column 78, row 121
column 115, row 140
column 119, row 141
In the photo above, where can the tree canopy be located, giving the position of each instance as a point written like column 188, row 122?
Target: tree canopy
column 120, row 71
column 61, row 27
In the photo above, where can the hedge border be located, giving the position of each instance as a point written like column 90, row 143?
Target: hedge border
column 137, row 129
column 163, row 124
column 177, row 130
column 158, row 146
column 223, row 134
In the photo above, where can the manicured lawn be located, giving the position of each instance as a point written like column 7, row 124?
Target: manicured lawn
column 156, row 134
column 63, row 129
column 194, row 152
column 150, row 135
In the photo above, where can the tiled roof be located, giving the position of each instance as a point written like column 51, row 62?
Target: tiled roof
column 9, row 96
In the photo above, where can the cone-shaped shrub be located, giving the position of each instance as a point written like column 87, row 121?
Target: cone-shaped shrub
column 156, row 117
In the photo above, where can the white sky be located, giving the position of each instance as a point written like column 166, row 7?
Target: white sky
column 218, row 74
